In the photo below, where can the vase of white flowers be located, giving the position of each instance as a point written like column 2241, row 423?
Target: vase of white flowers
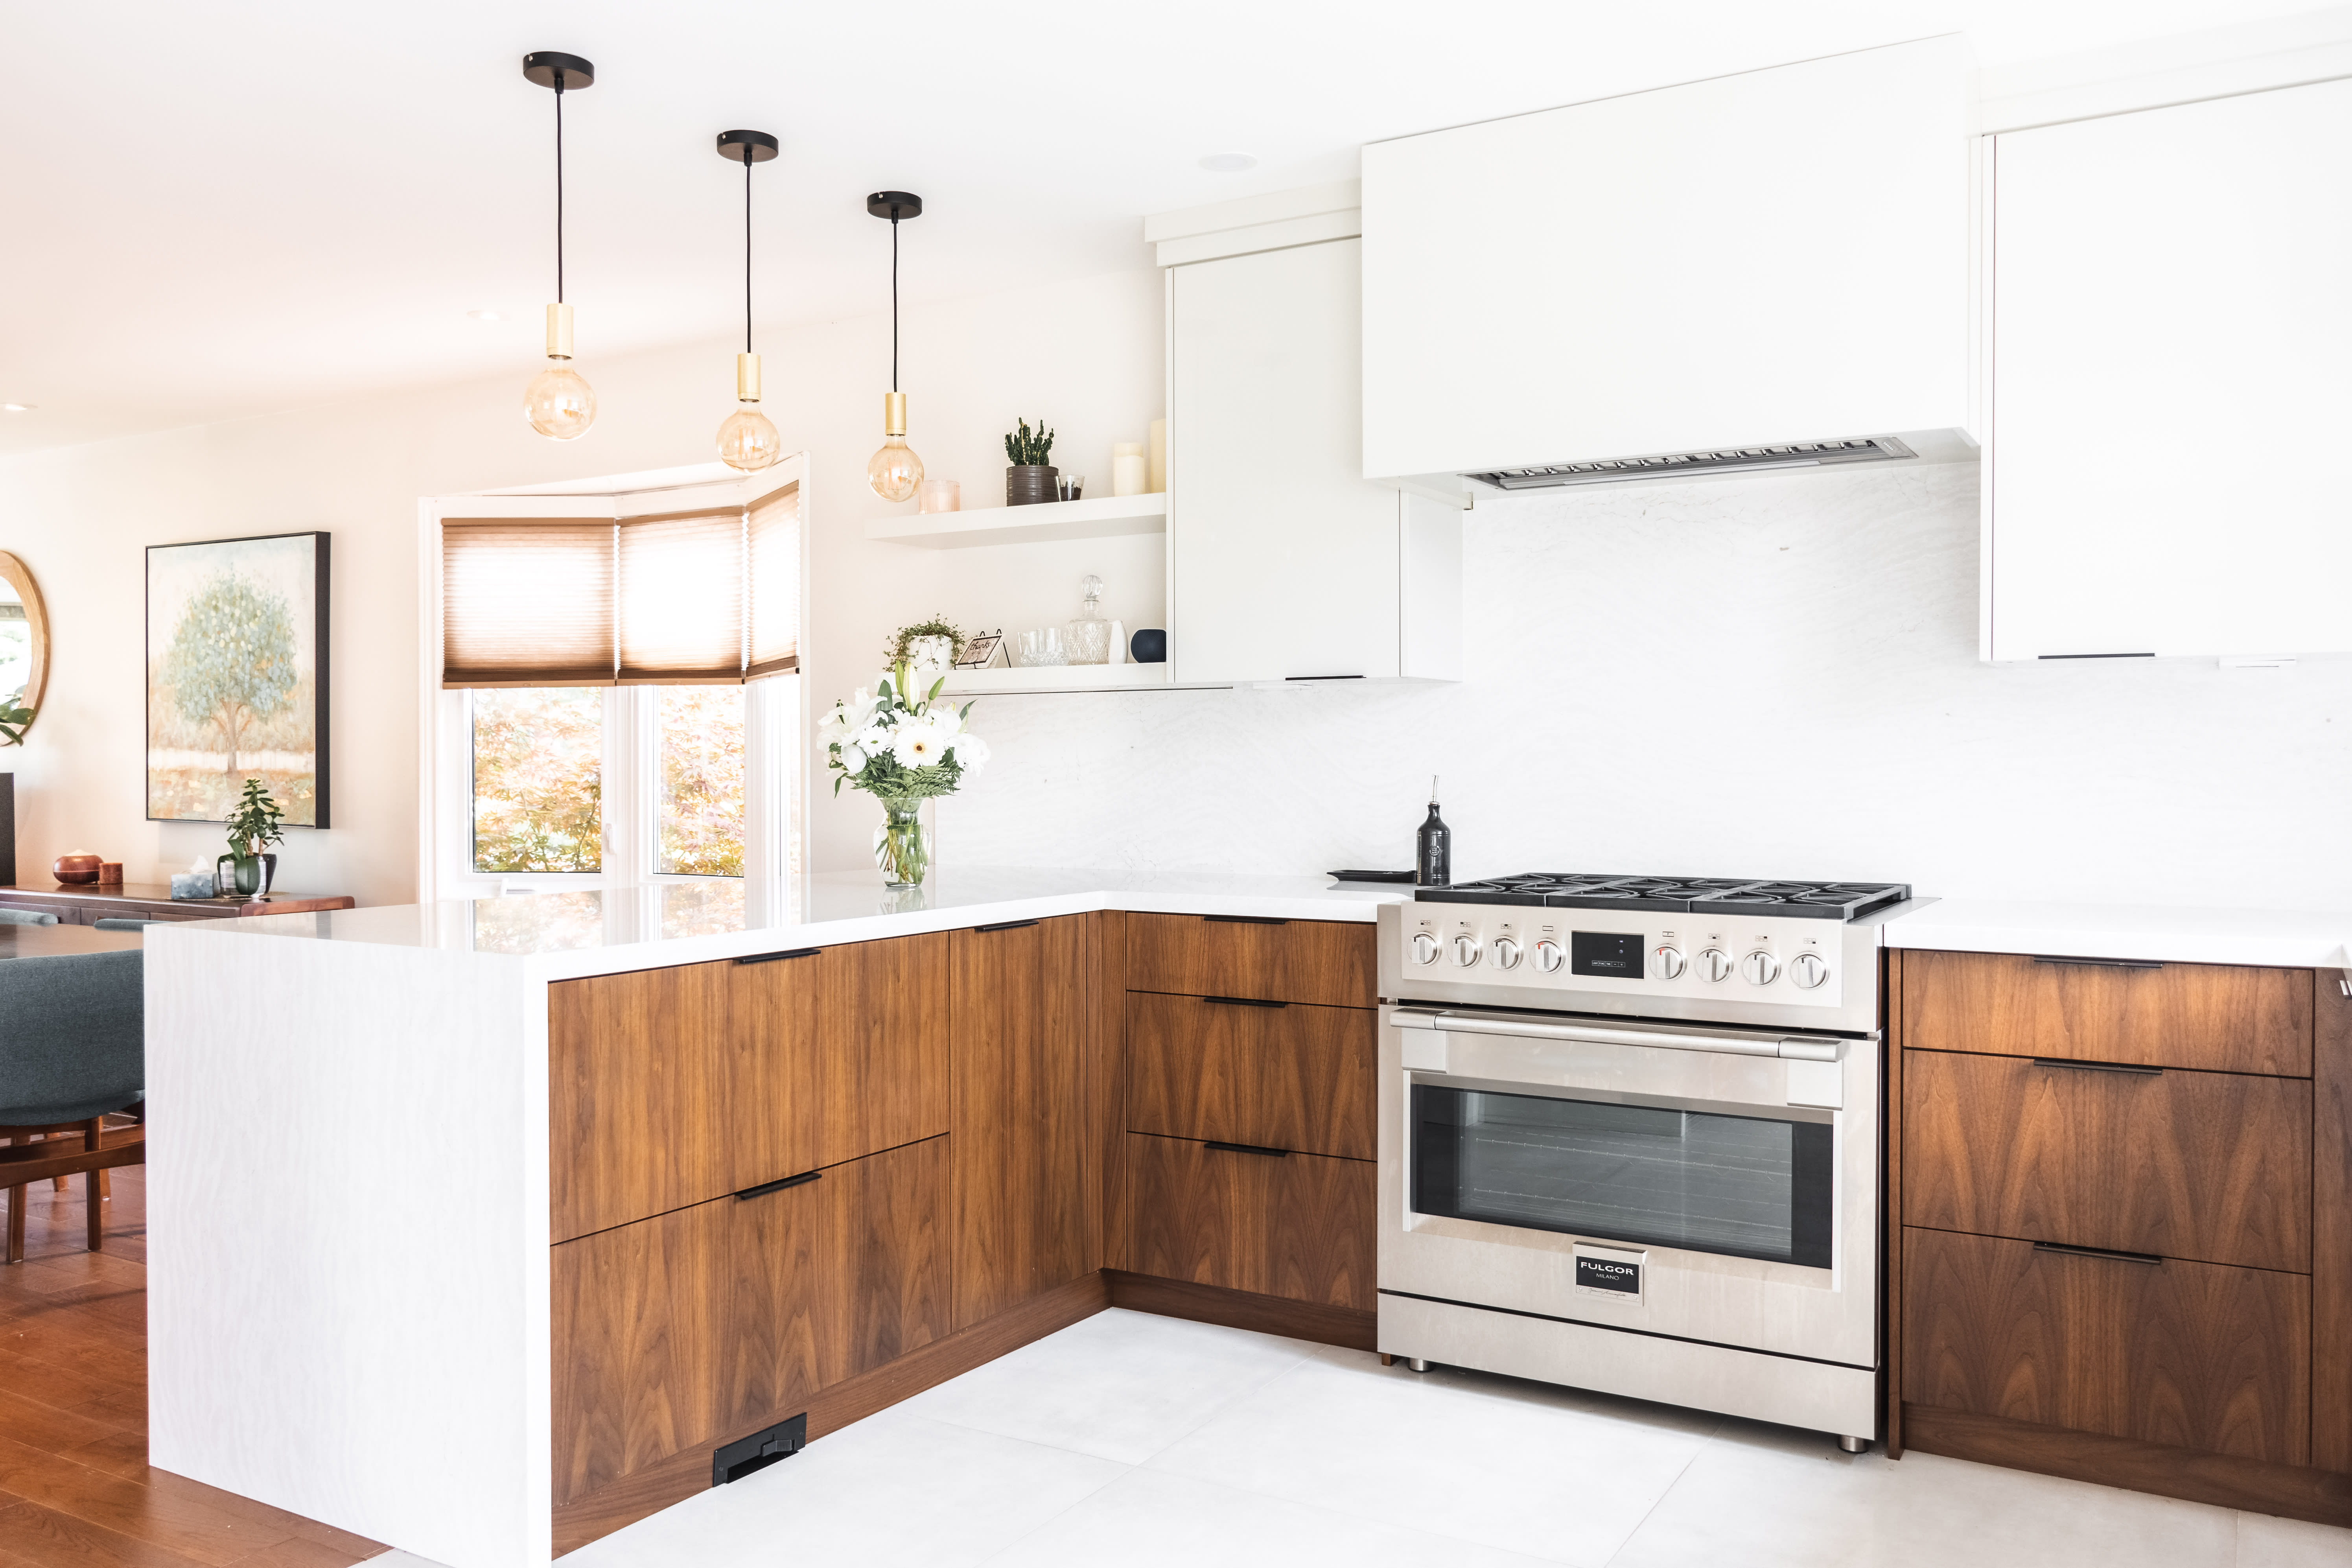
column 903, row 750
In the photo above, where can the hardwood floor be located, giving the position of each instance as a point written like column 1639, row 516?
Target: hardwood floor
column 75, row 1487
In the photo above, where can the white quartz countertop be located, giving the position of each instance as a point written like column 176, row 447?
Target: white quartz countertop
column 2278, row 938
column 563, row 935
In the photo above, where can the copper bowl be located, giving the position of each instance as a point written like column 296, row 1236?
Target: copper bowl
column 76, row 870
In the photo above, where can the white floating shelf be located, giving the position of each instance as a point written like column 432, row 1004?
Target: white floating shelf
column 1057, row 677
column 1103, row 517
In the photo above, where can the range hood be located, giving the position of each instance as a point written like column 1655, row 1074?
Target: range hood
column 1634, row 289
column 1691, row 465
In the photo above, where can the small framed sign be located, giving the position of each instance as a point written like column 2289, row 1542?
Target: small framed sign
column 979, row 649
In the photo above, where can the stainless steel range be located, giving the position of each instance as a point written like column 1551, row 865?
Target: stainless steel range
column 1630, row 1139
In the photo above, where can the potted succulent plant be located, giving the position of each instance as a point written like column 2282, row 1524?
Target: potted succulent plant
column 253, row 827
column 1031, row 478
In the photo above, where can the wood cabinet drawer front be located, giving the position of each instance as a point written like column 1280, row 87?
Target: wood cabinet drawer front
column 1298, row 1226
column 836, row 1055
column 1293, row 1077
column 2187, row 1355
column 636, row 1093
column 2210, row 1166
column 2219, row 1018
column 682, row 1330
column 1325, row 962
column 670, row 1087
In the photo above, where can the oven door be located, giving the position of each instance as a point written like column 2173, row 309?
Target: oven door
column 1711, row 1185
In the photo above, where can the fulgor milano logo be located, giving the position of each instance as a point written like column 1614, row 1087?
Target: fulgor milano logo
column 1597, row 1274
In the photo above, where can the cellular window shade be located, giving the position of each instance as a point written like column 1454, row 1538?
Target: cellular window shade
column 681, row 600
column 527, row 603
column 775, row 552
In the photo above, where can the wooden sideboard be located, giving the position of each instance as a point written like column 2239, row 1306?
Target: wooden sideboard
column 88, row 903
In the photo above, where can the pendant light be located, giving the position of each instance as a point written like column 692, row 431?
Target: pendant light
column 559, row 402
column 746, row 438
column 894, row 470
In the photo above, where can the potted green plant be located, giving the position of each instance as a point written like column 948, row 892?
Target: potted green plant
column 929, row 647
column 1030, row 479
column 15, row 720
column 253, row 827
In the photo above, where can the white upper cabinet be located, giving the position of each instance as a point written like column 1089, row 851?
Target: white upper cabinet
column 1285, row 563
column 2173, row 382
column 1773, row 258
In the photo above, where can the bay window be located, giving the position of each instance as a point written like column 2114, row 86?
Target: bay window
column 613, row 688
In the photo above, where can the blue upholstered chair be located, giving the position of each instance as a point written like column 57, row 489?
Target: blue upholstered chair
column 73, row 1047
column 28, row 918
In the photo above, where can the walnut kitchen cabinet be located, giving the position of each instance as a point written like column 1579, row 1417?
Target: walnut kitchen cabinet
column 2120, row 1223
column 1027, row 1164
column 1246, row 1145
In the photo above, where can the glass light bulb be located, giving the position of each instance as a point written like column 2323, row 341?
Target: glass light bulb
column 559, row 402
column 748, row 441
column 894, row 470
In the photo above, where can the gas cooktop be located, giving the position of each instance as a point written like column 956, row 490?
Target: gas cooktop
column 1698, row 895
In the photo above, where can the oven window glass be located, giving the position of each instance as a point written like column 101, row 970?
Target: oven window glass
column 1749, row 1186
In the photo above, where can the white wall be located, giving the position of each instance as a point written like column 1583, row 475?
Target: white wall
column 1086, row 355
column 1771, row 676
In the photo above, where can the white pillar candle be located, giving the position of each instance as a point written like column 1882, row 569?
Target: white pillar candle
column 1128, row 473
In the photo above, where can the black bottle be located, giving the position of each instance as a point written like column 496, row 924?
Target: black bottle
column 1433, row 848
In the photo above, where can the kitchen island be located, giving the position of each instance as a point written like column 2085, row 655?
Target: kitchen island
column 477, row 1227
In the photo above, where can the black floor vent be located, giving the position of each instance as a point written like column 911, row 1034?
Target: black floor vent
column 758, row 1451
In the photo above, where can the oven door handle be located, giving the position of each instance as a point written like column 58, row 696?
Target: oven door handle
column 1826, row 1050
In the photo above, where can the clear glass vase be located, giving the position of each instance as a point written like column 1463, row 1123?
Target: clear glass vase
column 902, row 845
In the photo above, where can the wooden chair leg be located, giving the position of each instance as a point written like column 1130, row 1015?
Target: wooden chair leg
column 95, row 1220
column 16, row 1224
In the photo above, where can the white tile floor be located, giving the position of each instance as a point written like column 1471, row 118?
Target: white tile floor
column 1140, row 1440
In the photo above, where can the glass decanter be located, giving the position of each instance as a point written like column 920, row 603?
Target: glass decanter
column 1088, row 636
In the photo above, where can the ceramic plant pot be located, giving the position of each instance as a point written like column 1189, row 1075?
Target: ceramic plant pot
column 1027, row 484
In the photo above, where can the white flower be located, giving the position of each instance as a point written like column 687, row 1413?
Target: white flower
column 861, row 700
column 918, row 745
column 874, row 739
column 852, row 756
column 970, row 751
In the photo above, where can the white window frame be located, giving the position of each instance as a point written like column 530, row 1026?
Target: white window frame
column 775, row 722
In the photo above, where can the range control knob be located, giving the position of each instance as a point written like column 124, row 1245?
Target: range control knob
column 1808, row 971
column 1669, row 961
column 1465, row 951
column 1760, row 967
column 1507, row 953
column 1424, row 948
column 1549, row 956
column 1715, row 964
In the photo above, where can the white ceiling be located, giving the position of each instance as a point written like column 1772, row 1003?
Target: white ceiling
column 220, row 210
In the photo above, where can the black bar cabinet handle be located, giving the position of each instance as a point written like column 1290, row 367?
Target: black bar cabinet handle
column 2098, row 1067
column 1006, row 925
column 2108, row 1253
column 1246, row 1149
column 2103, row 963
column 1242, row 1002
column 764, row 1188
column 773, row 957
column 1246, row 920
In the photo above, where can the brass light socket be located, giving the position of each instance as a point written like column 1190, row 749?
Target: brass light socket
column 894, row 414
column 747, row 378
column 559, row 331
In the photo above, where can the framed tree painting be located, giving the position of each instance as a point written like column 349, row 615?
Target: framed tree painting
column 236, row 676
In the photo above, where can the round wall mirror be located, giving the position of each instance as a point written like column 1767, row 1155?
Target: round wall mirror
column 24, row 636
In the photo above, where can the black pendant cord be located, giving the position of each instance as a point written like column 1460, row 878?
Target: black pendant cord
column 746, row 247
column 558, row 188
column 894, row 300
